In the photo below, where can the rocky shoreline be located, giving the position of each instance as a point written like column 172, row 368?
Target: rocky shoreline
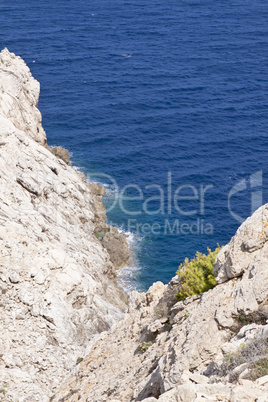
column 68, row 332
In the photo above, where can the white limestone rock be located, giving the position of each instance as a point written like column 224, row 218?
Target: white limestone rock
column 19, row 95
column 55, row 292
column 247, row 250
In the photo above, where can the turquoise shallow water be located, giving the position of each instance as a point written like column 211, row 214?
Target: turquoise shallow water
column 168, row 97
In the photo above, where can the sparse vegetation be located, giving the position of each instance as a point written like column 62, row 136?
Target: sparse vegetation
column 79, row 360
column 145, row 345
column 100, row 235
column 259, row 368
column 170, row 325
column 196, row 276
column 100, row 232
column 257, row 317
column 254, row 353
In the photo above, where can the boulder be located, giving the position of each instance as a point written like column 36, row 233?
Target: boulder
column 117, row 247
column 59, row 152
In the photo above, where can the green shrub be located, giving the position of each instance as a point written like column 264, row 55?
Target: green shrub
column 196, row 276
column 145, row 345
column 170, row 325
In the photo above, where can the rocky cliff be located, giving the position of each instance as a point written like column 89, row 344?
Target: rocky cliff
column 208, row 347
column 57, row 281
column 65, row 332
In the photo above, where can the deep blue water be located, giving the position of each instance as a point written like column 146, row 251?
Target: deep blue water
column 137, row 89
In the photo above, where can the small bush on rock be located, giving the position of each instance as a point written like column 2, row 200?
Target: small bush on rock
column 145, row 345
column 79, row 360
column 196, row 276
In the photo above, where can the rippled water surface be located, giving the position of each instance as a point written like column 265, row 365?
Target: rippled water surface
column 164, row 93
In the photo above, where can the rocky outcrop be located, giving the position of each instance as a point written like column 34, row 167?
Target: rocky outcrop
column 177, row 351
column 57, row 281
column 247, row 249
column 59, row 152
column 19, row 95
column 116, row 247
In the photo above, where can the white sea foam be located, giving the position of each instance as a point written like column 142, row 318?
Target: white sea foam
column 107, row 186
column 79, row 169
column 126, row 278
column 128, row 275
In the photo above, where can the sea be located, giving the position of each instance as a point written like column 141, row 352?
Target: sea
column 164, row 103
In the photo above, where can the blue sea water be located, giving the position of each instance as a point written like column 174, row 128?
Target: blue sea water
column 166, row 97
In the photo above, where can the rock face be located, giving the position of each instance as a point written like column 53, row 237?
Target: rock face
column 57, row 281
column 60, row 153
column 168, row 351
column 19, row 95
column 247, row 249
column 117, row 248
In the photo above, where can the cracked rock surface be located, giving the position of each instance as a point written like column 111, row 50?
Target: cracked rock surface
column 57, row 281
